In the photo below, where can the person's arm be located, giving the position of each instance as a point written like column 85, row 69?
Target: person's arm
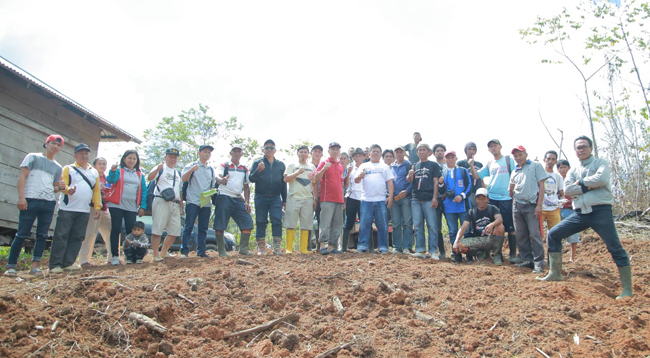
column 540, row 198
column 255, row 173
column 22, row 179
column 66, row 181
column 409, row 187
column 498, row 220
column 288, row 178
column 113, row 175
column 188, row 170
column 391, row 190
column 247, row 197
column 460, row 235
column 468, row 189
column 411, row 174
column 598, row 179
column 97, row 197
column 320, row 171
column 143, row 195
column 153, row 173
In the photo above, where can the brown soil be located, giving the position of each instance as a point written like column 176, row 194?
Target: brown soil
column 472, row 310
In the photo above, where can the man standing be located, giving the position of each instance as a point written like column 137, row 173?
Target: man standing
column 330, row 175
column 233, row 199
column 553, row 191
column 588, row 184
column 439, row 151
column 470, row 152
column 411, row 148
column 527, row 188
column 38, row 181
column 166, row 211
column 563, row 168
column 353, row 199
column 300, row 200
column 457, row 188
column 499, row 171
column 316, row 156
column 82, row 188
column 270, row 197
column 377, row 181
column 424, row 175
column 199, row 178
column 400, row 212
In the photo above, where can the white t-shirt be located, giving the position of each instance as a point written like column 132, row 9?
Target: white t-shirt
column 80, row 200
column 43, row 173
column 238, row 176
column 354, row 190
column 552, row 185
column 167, row 179
column 374, row 182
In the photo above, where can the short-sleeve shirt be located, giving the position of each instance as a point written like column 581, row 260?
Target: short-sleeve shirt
column 200, row 181
column 132, row 182
column 425, row 172
column 238, row 176
column 552, row 185
column 355, row 189
column 411, row 148
column 43, row 173
column 331, row 184
column 80, row 200
column 483, row 218
column 301, row 187
column 526, row 181
column 374, row 182
column 499, row 177
column 166, row 180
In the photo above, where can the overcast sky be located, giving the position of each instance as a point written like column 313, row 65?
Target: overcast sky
column 356, row 72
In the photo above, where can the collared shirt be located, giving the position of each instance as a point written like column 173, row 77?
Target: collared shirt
column 400, row 172
column 84, row 194
column 200, row 181
column 526, row 180
column 238, row 175
column 331, row 188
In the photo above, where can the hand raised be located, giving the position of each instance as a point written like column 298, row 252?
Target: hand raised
column 114, row 167
column 260, row 167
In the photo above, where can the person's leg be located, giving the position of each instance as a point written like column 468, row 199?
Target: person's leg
column 43, row 223
column 243, row 219
column 173, row 226
column 572, row 224
column 398, row 226
column 441, row 240
column 326, row 218
column 365, row 226
column 523, row 233
column 117, row 216
column 431, row 222
column 505, row 208
column 261, row 221
column 140, row 253
column 292, row 213
column 191, row 213
column 574, row 239
column 418, row 222
column 602, row 221
column 305, row 217
column 407, row 224
column 76, row 238
column 204, row 222
column 105, row 231
column 535, row 235
column 160, row 214
column 64, row 223
column 86, row 250
column 129, row 253
column 336, row 228
column 275, row 214
column 381, row 216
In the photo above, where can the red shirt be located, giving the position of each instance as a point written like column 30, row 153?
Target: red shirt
column 331, row 188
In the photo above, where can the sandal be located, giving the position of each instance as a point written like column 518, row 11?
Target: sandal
column 11, row 272
column 36, row 272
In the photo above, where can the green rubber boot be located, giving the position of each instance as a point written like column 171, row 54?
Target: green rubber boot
column 243, row 244
column 221, row 245
column 497, row 247
column 555, row 265
column 625, row 273
column 345, row 239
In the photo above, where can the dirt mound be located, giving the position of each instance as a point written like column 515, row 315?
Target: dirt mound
column 421, row 309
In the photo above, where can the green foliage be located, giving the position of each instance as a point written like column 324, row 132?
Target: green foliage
column 293, row 148
column 251, row 148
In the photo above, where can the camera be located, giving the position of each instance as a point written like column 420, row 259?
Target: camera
column 449, row 194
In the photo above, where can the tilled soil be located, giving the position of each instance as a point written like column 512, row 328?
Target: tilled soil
column 437, row 308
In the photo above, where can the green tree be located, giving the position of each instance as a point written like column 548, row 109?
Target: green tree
column 187, row 131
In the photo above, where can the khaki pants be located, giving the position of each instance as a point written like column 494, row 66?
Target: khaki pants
column 101, row 225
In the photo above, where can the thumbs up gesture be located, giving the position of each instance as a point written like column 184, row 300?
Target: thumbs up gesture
column 412, row 171
column 224, row 180
column 195, row 167
column 327, row 165
column 114, row 167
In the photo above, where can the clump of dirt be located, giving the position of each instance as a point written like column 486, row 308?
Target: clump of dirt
column 216, row 307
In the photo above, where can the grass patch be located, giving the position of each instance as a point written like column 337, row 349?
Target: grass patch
column 24, row 260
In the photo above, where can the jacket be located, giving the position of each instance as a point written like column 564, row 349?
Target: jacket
column 400, row 172
column 115, row 194
column 270, row 181
column 591, row 173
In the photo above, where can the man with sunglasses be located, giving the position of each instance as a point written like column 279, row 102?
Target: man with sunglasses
column 270, row 197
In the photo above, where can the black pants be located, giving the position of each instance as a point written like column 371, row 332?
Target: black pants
column 117, row 216
column 133, row 253
column 69, row 234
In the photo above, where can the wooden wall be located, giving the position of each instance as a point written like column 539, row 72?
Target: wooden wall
column 28, row 115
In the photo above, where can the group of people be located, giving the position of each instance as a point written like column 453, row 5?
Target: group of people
column 374, row 186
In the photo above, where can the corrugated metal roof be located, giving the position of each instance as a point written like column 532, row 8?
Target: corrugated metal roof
column 110, row 132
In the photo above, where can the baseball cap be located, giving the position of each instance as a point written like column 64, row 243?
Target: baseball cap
column 518, row 148
column 269, row 141
column 317, row 146
column 482, row 191
column 400, row 147
column 53, row 138
column 495, row 141
column 450, row 152
column 236, row 146
column 172, row 151
column 81, row 146
column 206, row 146
column 334, row 144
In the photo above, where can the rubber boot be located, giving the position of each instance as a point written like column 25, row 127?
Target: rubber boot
column 441, row 246
column 625, row 273
column 555, row 267
column 304, row 242
column 512, row 244
column 291, row 233
column 261, row 247
column 243, row 244
column 345, row 239
column 497, row 248
column 277, row 242
column 221, row 245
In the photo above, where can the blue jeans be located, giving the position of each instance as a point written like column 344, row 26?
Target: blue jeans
column 192, row 211
column 376, row 210
column 265, row 207
column 601, row 220
column 40, row 211
column 565, row 213
column 452, row 224
column 422, row 211
column 402, row 218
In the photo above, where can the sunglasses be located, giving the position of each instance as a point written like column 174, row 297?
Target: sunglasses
column 269, row 148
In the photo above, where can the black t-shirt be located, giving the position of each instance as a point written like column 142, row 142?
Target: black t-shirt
column 479, row 219
column 476, row 183
column 425, row 172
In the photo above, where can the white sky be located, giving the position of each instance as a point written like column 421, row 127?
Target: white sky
column 356, row 72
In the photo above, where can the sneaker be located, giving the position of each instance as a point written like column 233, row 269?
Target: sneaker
column 324, row 251
column 407, row 251
column 72, row 268
column 157, row 258
column 526, row 264
column 36, row 272
column 115, row 261
column 361, row 251
column 138, row 261
column 383, row 252
column 169, row 254
column 420, row 255
column 277, row 252
column 395, row 251
column 515, row 260
column 11, row 272
column 336, row 252
column 129, row 262
column 184, row 256
column 56, row 270
column 435, row 257
column 538, row 267
column 202, row 255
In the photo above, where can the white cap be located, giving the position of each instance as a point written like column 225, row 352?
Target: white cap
column 482, row 191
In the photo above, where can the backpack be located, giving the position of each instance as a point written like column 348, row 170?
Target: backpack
column 187, row 183
column 474, row 213
column 151, row 188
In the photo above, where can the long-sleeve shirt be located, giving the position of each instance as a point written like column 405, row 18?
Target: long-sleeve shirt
column 459, row 180
column 270, row 181
column 591, row 173
column 137, row 241
column 400, row 172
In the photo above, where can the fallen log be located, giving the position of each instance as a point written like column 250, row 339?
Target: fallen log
column 438, row 323
column 148, row 322
column 264, row 326
column 386, row 285
column 244, row 262
column 335, row 350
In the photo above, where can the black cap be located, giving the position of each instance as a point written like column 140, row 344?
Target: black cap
column 173, row 151
column 317, row 146
column 358, row 151
column 495, row 141
column 269, row 141
column 206, row 146
column 334, row 144
column 81, row 146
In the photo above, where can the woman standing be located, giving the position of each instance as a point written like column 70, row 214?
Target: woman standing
column 103, row 224
column 126, row 197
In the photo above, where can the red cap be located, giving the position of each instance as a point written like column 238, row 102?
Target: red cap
column 518, row 148
column 53, row 138
column 449, row 152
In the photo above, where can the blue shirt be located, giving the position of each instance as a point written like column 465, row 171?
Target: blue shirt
column 400, row 172
column 499, row 177
column 454, row 180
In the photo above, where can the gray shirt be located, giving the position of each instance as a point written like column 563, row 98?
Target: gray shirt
column 43, row 173
column 130, row 191
column 200, row 181
column 591, row 173
column 526, row 180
